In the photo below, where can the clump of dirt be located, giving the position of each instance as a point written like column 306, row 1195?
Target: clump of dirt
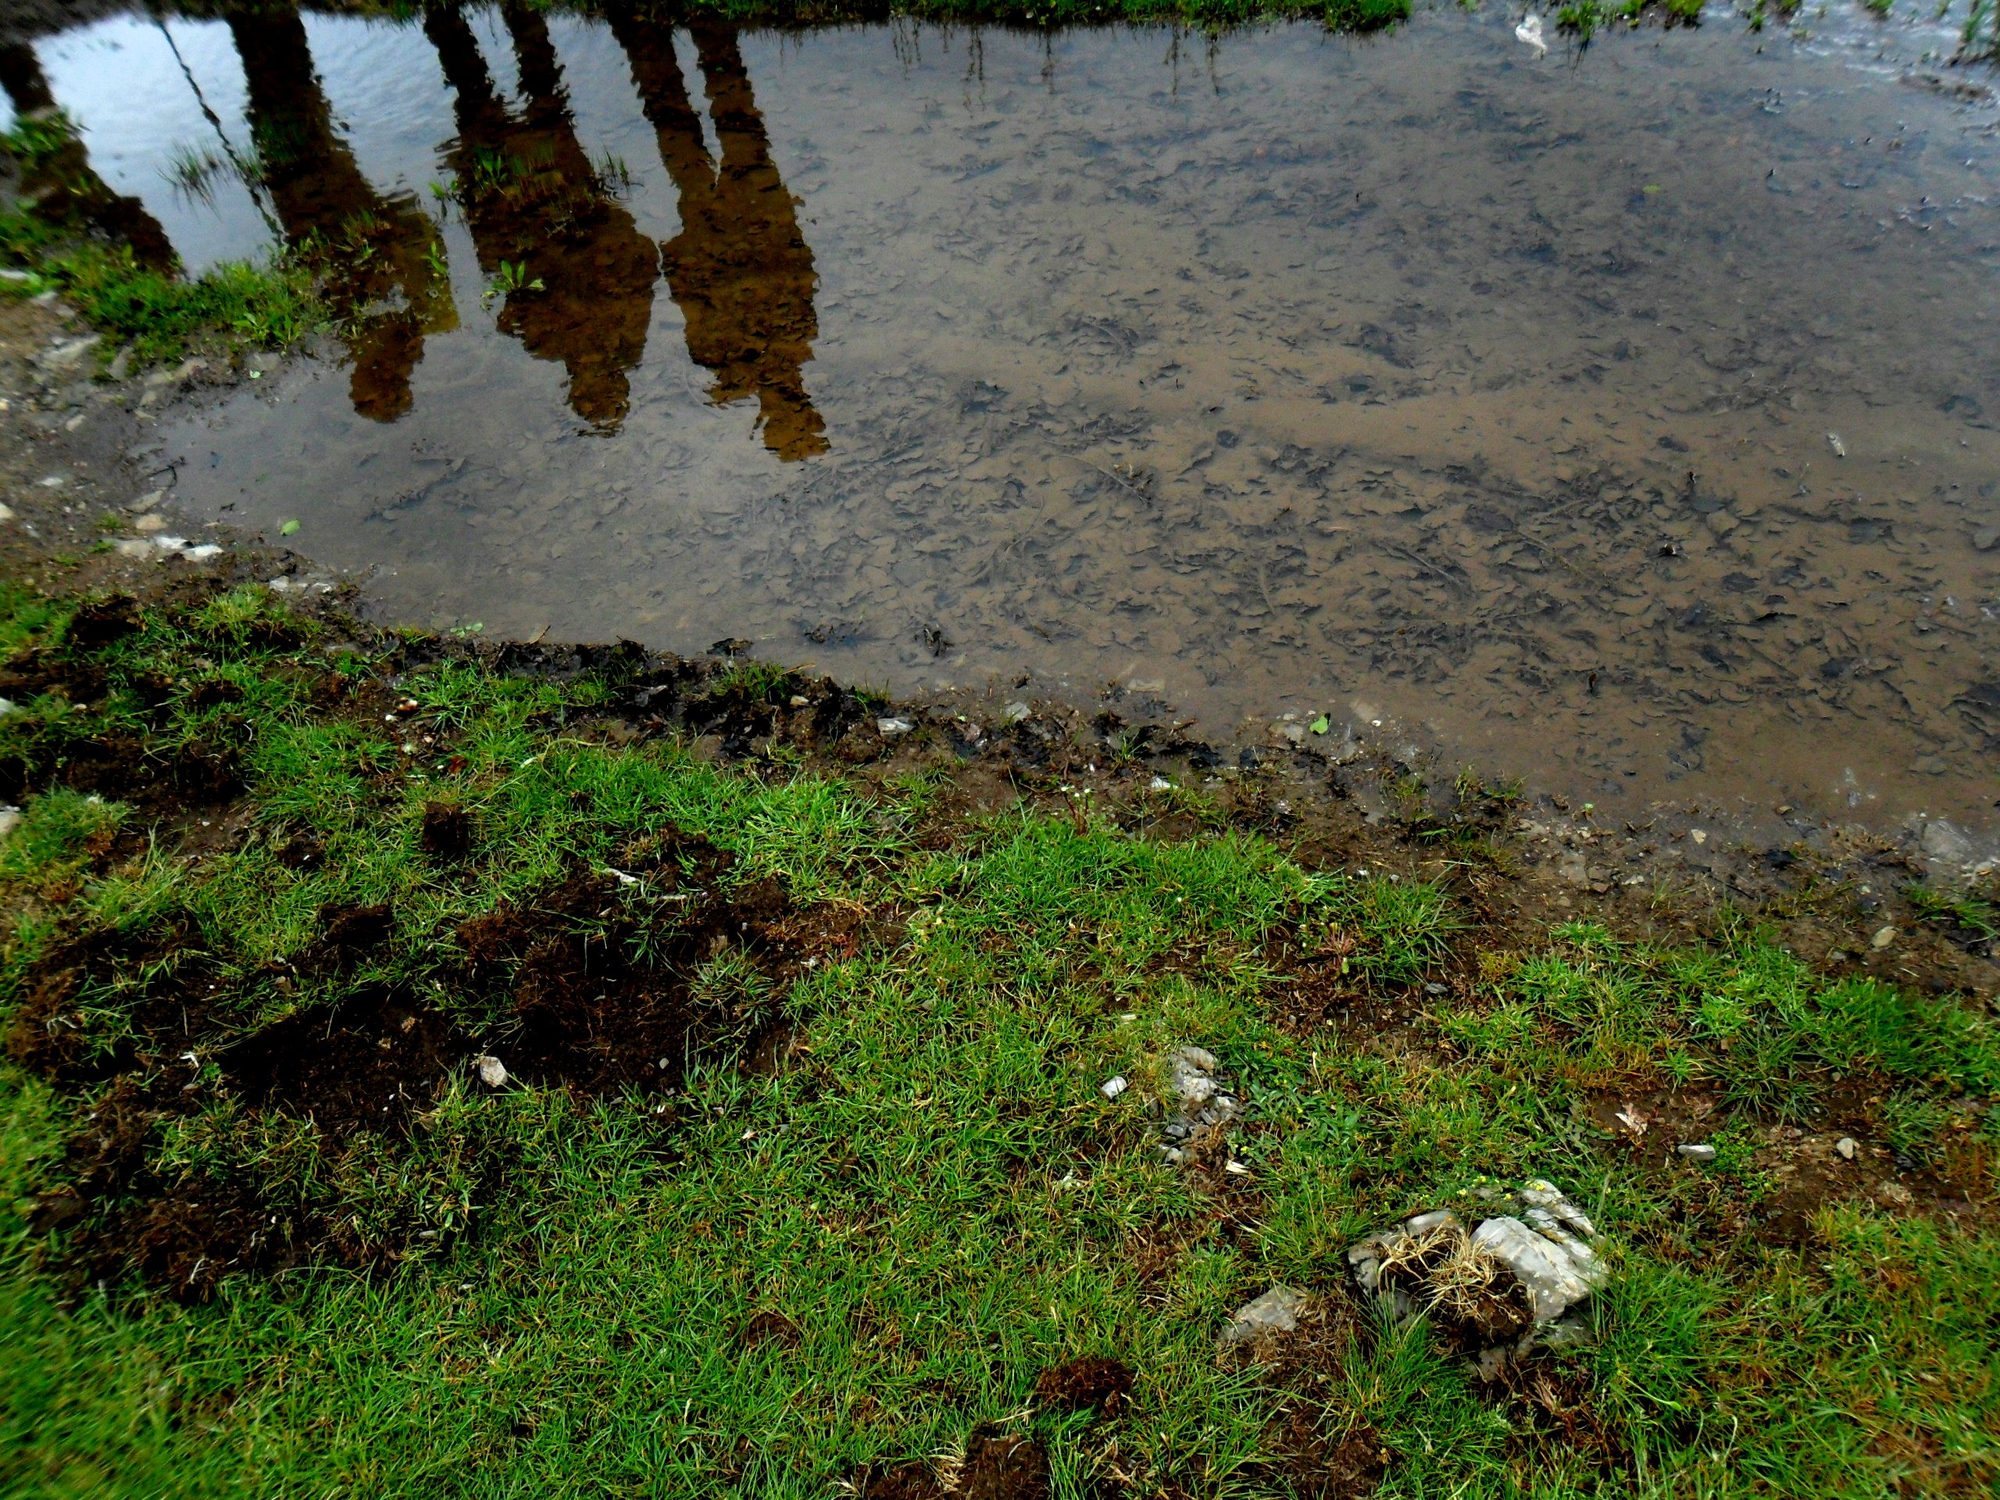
column 907, row 1481
column 347, row 932
column 1093, row 1380
column 609, row 987
column 1003, row 1467
column 365, row 1064
column 446, row 832
column 100, row 623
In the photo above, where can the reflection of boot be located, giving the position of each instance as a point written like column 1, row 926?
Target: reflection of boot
column 64, row 183
column 532, row 199
column 368, row 247
column 739, row 270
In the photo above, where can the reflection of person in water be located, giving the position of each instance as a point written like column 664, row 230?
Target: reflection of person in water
column 739, row 270
column 576, row 272
column 367, row 248
column 62, row 178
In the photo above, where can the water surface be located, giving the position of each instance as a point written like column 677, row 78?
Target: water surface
column 1623, row 420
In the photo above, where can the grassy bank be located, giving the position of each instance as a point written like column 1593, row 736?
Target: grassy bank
column 801, row 1172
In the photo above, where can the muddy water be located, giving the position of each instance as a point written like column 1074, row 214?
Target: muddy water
column 1625, row 420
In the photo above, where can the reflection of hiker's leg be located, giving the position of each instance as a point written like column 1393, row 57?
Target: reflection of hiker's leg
column 535, row 59
column 663, row 97
column 464, row 68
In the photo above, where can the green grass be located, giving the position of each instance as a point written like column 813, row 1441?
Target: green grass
column 938, row 1200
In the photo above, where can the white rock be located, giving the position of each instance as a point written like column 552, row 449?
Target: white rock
column 492, row 1072
column 1699, row 835
column 10, row 819
column 1199, row 1057
column 1277, row 1311
column 149, row 523
column 893, row 727
column 6, row 512
column 1700, row 1152
column 170, row 543
column 1159, row 784
column 1848, row 1147
column 1423, row 1224
column 62, row 356
column 1529, row 32
column 1839, row 448
column 202, row 553
column 1014, row 713
column 1113, row 1087
column 1539, row 1192
column 1558, row 1272
column 1882, row 939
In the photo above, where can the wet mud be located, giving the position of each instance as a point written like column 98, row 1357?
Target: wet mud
column 1620, row 419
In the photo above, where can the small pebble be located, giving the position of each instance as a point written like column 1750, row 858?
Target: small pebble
column 892, row 727
column 1700, row 1153
column 1199, row 1057
column 1848, row 1147
column 492, row 1072
column 1160, row 784
column 1882, row 939
column 1113, row 1087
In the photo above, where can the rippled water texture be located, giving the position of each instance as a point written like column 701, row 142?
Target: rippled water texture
column 1625, row 419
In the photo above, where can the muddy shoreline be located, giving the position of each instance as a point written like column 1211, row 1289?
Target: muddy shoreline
column 64, row 422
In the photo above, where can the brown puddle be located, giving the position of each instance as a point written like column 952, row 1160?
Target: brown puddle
column 1623, row 420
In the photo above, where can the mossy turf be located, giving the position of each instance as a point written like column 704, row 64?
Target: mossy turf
column 879, row 1192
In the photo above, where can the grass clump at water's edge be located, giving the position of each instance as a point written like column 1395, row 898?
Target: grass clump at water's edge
column 267, row 905
column 55, row 229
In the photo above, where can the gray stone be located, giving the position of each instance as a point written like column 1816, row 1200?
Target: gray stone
column 1199, row 1057
column 1848, row 1147
column 1113, row 1087
column 1558, row 1269
column 1697, row 1152
column 1014, row 713
column 1276, row 1312
column 1944, row 844
column 890, row 728
column 492, row 1072
column 1538, row 1192
column 1423, row 1224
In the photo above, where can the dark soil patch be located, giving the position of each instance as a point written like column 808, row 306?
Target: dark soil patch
column 350, row 931
column 999, row 1467
column 367, row 1064
column 909, row 1481
column 446, row 832
column 97, row 625
column 586, row 1012
column 1090, row 1381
